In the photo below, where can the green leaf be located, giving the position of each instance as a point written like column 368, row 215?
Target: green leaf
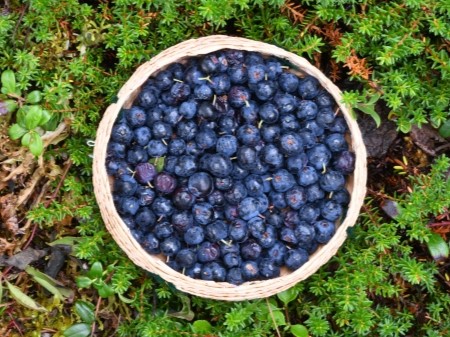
column 201, row 326
column 46, row 116
column 126, row 299
column 78, row 330
column 369, row 110
column 8, row 82
column 96, row 270
column 33, row 117
column 83, row 282
column 16, row 131
column 444, row 130
column 10, row 105
column 278, row 317
column 50, row 284
column 158, row 163
column 104, row 290
column 23, row 298
column 52, row 123
column 66, row 240
column 36, row 144
column 288, row 295
column 298, row 330
column 34, row 97
column 21, row 114
column 186, row 311
column 26, row 139
column 85, row 310
column 438, row 247
column 1, row 292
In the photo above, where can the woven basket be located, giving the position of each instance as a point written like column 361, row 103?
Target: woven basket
column 209, row 289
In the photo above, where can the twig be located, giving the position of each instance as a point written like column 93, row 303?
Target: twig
column 273, row 318
column 97, row 308
column 58, row 187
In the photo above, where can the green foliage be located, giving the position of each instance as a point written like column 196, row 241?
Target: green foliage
column 68, row 59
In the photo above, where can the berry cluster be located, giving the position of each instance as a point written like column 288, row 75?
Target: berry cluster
column 255, row 163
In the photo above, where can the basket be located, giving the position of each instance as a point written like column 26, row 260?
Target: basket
column 356, row 182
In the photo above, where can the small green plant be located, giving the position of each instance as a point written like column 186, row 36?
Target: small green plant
column 96, row 277
column 32, row 120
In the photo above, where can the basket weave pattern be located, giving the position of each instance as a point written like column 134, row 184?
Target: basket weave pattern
column 219, row 290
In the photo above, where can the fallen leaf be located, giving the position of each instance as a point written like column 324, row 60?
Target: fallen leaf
column 24, row 258
column 8, row 215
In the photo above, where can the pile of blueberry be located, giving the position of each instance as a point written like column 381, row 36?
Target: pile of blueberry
column 231, row 166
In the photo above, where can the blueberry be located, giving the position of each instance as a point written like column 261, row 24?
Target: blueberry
column 252, row 58
column 271, row 156
column 122, row 133
column 227, row 124
column 330, row 210
column 308, row 137
column 308, row 87
column 266, row 89
column 237, row 74
column 125, row 185
column 236, row 194
column 314, row 192
column 161, row 130
column 268, row 237
column 278, row 200
column 270, row 133
column 203, row 213
column 307, row 110
column 164, row 183
column 309, row 212
column 164, row 79
column 341, row 196
column 254, row 185
column 246, row 157
column 176, row 147
column 162, row 207
column 116, row 150
column 203, row 92
column 227, row 145
column 216, row 231
column 223, row 184
column 325, row 117
column 307, row 176
column 238, row 96
column 248, row 135
column 220, row 84
column 211, row 64
column 128, row 206
column 170, row 246
column 269, row 113
column 250, row 250
column 256, row 73
column 289, row 123
column 206, row 138
column 324, row 99
column 277, row 253
column 142, row 135
column 180, row 91
column 268, row 268
column 295, row 258
column 296, row 197
column 217, row 199
column 208, row 252
column 194, row 235
column 207, row 111
column 288, row 82
column 200, row 184
column 344, row 162
column 231, row 212
column 291, row 143
column 219, row 273
column 188, row 109
column 256, row 227
column 339, row 125
column 156, row 148
column 285, row 103
column 145, row 218
column 151, row 244
column 220, row 166
column 171, row 116
column 305, row 233
column 231, row 260
column 324, row 230
column 136, row 154
column 148, row 97
column 291, row 218
column 248, row 208
column 183, row 199
column 332, row 181
column 163, row 230
column 145, row 196
column 313, row 127
column 235, row 57
column 135, row 116
column 296, row 163
column 186, row 166
column 282, row 180
column 238, row 230
column 238, row 172
column 186, row 258
column 274, row 69
column 182, row 221
column 144, row 172
column 288, row 235
column 129, row 222
column 274, row 219
column 319, row 156
column 250, row 270
column 194, row 271
column 193, row 149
